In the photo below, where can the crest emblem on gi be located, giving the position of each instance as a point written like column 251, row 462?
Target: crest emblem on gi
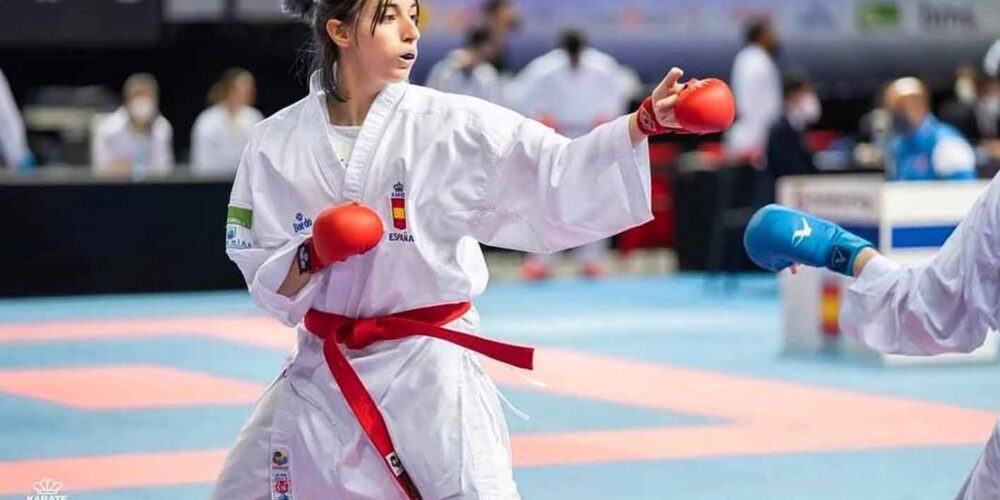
column 398, row 200
column 397, row 203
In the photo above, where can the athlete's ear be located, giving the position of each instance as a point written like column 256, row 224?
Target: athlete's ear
column 339, row 32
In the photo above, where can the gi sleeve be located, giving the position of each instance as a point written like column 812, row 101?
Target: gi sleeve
column 545, row 192
column 947, row 305
column 263, row 258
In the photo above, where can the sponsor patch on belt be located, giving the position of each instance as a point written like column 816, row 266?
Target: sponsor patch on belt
column 395, row 464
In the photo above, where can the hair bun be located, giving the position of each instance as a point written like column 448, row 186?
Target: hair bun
column 301, row 9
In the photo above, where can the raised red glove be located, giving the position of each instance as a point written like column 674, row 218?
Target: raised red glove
column 702, row 107
column 340, row 232
column 705, row 106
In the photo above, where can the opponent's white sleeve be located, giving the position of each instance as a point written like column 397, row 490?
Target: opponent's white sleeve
column 546, row 193
column 263, row 259
column 947, row 305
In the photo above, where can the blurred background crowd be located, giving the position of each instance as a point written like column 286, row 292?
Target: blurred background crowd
column 150, row 91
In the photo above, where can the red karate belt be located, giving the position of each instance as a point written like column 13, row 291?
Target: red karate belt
column 357, row 333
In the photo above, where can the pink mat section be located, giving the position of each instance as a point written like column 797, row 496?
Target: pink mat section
column 126, row 387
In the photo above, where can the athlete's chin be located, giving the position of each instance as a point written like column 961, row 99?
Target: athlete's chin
column 399, row 75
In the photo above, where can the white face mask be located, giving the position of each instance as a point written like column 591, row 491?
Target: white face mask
column 142, row 109
column 965, row 90
column 806, row 112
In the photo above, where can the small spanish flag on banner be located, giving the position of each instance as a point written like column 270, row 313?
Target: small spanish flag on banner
column 829, row 307
column 398, row 200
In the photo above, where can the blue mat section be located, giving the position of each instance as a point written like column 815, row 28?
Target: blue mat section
column 884, row 475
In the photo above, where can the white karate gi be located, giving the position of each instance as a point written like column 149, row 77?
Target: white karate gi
column 947, row 305
column 469, row 171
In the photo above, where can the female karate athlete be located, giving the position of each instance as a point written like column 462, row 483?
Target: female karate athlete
column 384, row 397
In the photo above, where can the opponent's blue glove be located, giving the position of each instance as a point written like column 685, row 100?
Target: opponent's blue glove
column 778, row 237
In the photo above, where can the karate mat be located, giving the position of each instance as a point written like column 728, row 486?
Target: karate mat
column 656, row 388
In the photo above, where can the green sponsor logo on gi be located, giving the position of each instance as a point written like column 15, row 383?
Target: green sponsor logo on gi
column 879, row 15
column 239, row 215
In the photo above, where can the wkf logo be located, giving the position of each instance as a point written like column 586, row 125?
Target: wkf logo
column 280, row 459
column 47, row 489
column 398, row 200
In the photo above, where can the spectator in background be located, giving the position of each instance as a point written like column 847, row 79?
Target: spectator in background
column 501, row 18
column 987, row 109
column 14, row 152
column 221, row 132
column 756, row 84
column 468, row 70
column 787, row 150
column 135, row 140
column 960, row 111
column 922, row 147
column 988, row 123
column 573, row 89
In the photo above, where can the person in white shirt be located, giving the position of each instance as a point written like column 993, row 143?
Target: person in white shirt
column 467, row 70
column 756, row 83
column 14, row 152
column 573, row 89
column 416, row 416
column 221, row 132
column 136, row 140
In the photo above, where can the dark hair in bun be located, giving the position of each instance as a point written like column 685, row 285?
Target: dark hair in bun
column 317, row 13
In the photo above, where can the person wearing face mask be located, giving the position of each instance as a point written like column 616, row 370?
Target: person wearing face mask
column 787, row 153
column 960, row 111
column 756, row 83
column 987, row 113
column 221, row 132
column 923, row 148
column 987, row 109
column 135, row 140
